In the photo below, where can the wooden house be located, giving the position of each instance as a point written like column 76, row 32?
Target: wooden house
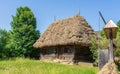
column 66, row 40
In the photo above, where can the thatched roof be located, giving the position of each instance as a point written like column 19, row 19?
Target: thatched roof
column 71, row 31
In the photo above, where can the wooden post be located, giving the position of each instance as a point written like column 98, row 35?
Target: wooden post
column 111, row 51
column 111, row 47
column 56, row 53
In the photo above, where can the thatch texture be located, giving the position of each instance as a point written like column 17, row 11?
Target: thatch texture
column 109, row 68
column 71, row 31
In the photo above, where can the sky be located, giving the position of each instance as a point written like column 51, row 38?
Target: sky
column 45, row 10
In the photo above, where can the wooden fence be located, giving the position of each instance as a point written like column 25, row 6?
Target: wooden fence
column 102, row 57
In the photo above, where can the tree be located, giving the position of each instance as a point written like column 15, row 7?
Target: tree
column 118, row 23
column 4, row 36
column 102, row 33
column 117, row 41
column 23, row 33
column 94, row 47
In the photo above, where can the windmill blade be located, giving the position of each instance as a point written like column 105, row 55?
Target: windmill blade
column 102, row 17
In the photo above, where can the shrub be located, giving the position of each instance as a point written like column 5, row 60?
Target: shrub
column 94, row 47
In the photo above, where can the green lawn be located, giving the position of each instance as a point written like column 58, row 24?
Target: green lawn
column 26, row 66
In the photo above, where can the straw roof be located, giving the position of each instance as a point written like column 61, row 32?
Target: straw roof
column 70, row 31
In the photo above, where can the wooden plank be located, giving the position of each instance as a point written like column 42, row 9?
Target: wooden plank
column 102, row 57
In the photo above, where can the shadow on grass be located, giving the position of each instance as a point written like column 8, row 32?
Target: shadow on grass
column 2, row 68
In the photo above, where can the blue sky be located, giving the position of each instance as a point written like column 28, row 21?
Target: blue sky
column 45, row 10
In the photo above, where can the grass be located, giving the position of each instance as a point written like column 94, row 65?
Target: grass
column 26, row 66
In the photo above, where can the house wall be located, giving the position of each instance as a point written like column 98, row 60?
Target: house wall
column 82, row 53
column 67, row 53
column 64, row 53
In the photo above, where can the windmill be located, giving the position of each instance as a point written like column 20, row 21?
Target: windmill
column 110, row 30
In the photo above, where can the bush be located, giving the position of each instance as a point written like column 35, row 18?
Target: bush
column 94, row 47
